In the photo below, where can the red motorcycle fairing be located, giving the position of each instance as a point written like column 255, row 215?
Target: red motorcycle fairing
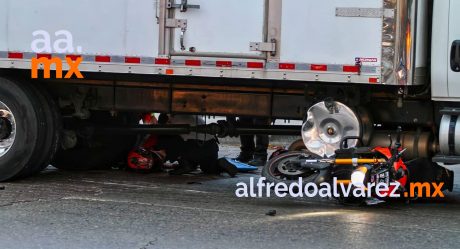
column 386, row 152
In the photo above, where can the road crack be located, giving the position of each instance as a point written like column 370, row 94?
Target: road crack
column 12, row 203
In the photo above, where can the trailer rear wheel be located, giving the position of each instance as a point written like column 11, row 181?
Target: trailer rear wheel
column 51, row 128
column 23, row 130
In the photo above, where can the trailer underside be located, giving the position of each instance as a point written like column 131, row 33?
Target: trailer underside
column 112, row 103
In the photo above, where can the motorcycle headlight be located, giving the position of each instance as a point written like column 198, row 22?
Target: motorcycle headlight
column 359, row 176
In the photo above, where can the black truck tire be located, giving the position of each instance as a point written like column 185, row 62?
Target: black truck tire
column 98, row 151
column 51, row 117
column 27, row 147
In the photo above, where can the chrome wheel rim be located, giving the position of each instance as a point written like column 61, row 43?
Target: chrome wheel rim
column 8, row 140
column 326, row 125
column 283, row 170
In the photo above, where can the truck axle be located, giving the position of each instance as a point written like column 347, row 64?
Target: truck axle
column 221, row 129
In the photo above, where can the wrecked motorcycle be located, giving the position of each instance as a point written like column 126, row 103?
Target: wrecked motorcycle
column 359, row 167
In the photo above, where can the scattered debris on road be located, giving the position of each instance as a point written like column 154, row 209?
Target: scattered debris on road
column 271, row 213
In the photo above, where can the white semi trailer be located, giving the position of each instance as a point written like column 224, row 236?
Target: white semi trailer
column 374, row 64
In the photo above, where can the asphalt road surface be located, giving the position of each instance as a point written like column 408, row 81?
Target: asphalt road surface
column 119, row 209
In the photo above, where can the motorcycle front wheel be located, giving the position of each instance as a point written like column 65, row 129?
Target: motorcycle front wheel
column 286, row 168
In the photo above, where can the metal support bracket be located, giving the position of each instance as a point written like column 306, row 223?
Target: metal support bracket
column 183, row 6
column 176, row 23
column 264, row 47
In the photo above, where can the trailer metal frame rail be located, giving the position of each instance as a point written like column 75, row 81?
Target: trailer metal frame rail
column 206, row 68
